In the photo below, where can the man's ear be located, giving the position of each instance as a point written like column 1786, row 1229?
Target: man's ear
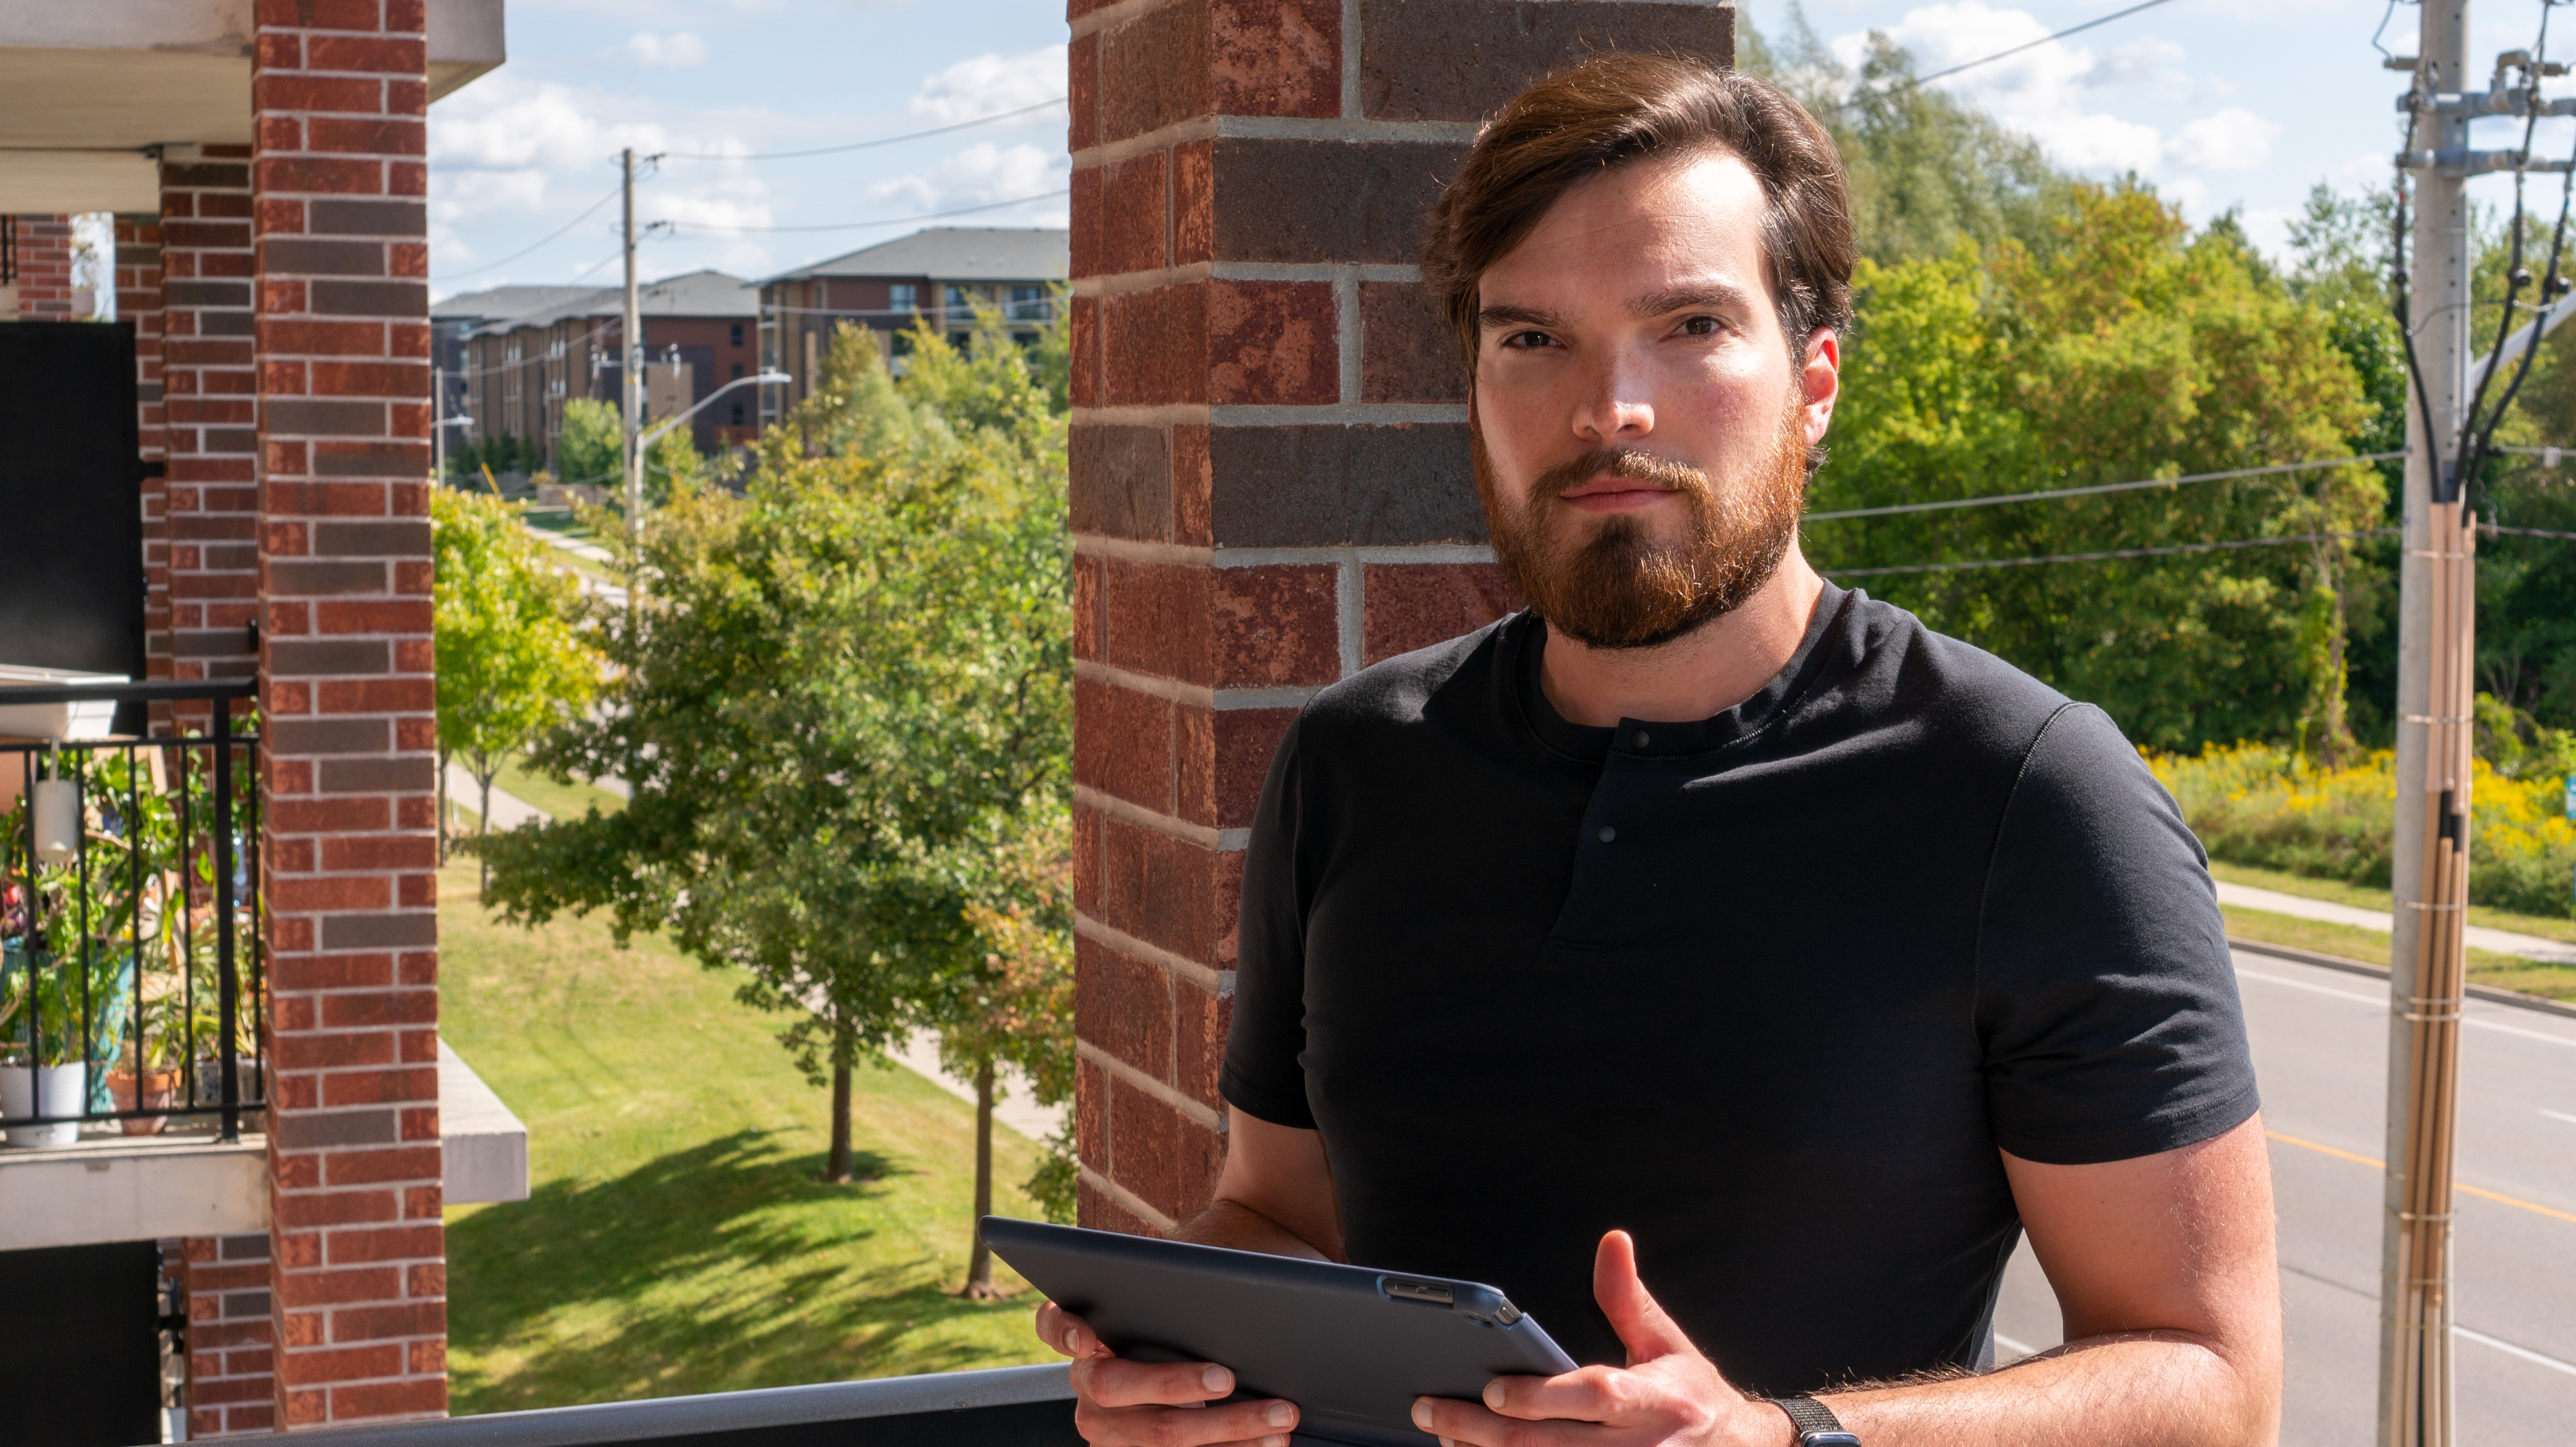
column 1820, row 381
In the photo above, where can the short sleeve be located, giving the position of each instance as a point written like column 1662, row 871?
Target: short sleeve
column 2106, row 999
column 1262, row 1076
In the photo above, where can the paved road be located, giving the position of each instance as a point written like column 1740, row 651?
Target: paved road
column 2321, row 1050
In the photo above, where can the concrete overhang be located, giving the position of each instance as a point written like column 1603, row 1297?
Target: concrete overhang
column 86, row 89
column 132, row 1188
column 487, row 1147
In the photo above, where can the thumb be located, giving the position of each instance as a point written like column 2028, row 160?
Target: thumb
column 1642, row 1326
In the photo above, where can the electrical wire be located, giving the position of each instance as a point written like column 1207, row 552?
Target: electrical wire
column 2163, row 552
column 883, row 221
column 1921, row 80
column 2063, row 492
column 854, row 145
column 550, row 236
column 2491, row 529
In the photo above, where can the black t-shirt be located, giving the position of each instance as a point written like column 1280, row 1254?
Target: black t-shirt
column 1767, row 990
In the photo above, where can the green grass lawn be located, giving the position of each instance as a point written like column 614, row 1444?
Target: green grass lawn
column 2505, row 972
column 676, row 1239
column 2545, row 926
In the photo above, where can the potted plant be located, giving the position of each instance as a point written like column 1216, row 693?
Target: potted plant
column 44, row 1060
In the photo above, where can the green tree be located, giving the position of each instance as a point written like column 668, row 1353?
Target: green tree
column 2127, row 349
column 850, row 686
column 511, row 659
column 591, row 447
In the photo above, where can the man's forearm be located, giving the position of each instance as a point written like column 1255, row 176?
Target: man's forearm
column 2168, row 1387
column 1232, row 1224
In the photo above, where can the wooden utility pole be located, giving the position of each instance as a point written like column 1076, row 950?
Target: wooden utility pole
column 2436, row 618
column 630, row 372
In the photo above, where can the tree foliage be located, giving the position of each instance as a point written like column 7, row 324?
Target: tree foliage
column 844, row 713
column 511, row 658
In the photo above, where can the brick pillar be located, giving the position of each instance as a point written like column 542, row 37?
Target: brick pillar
column 138, row 304
column 232, row 1390
column 43, row 251
column 209, row 572
column 340, row 99
column 1270, row 476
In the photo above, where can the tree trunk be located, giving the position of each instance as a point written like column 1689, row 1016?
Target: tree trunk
column 979, row 1265
column 484, row 777
column 836, row 1166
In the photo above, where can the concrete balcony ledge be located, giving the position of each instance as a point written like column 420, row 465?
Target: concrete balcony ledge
column 132, row 1188
column 1003, row 1407
column 185, row 1182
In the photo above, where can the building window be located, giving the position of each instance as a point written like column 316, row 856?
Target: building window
column 737, row 414
column 737, row 341
column 737, row 371
column 514, row 349
column 903, row 296
column 1029, row 304
column 959, row 298
column 555, row 349
column 962, row 341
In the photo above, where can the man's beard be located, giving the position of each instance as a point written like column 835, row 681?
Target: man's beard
column 1613, row 585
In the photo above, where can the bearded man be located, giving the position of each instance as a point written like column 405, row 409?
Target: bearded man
column 1712, row 926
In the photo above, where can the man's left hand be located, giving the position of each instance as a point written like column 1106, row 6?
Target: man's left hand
column 1668, row 1393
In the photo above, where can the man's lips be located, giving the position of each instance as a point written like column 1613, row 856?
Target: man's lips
column 1613, row 494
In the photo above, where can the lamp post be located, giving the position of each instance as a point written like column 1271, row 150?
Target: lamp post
column 756, row 379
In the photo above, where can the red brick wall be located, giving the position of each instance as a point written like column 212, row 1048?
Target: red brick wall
column 209, row 570
column 44, row 274
column 231, row 1341
column 340, row 97
column 1271, row 486
column 138, row 303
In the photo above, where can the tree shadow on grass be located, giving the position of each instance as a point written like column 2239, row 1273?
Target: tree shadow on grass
column 718, row 1268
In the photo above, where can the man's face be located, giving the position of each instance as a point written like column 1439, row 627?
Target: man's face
column 1641, row 429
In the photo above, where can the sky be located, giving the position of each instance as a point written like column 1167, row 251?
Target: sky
column 2222, row 104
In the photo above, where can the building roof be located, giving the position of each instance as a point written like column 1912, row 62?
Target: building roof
column 690, row 294
column 955, row 253
column 495, row 302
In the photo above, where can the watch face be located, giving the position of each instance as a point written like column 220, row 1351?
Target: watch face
column 1828, row 1439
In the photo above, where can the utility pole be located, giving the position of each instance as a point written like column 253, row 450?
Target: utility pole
column 630, row 372
column 2436, row 619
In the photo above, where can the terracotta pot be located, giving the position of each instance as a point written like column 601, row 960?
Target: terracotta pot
column 160, row 1090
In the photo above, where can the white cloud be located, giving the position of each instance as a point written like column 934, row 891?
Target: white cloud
column 2269, row 229
column 2038, row 92
column 979, row 174
column 2151, row 62
column 992, row 84
column 2234, row 139
column 675, row 51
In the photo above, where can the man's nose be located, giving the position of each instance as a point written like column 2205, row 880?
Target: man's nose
column 1614, row 406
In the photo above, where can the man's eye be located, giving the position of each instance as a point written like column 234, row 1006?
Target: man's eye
column 1701, row 327
column 1529, row 341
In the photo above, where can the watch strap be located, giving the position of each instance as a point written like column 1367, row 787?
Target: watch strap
column 1808, row 1415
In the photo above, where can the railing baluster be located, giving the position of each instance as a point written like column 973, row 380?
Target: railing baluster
column 226, row 986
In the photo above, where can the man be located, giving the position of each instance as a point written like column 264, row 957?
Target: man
column 1711, row 923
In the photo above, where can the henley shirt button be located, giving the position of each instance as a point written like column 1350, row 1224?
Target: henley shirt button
column 1608, row 833
column 1644, row 738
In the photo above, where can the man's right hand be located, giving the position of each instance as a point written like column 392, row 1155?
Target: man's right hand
column 1120, row 1403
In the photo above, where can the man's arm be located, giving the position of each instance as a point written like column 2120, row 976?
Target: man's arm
column 1275, row 1195
column 2164, row 1271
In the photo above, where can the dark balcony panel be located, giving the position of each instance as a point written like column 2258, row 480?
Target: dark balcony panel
column 85, row 1370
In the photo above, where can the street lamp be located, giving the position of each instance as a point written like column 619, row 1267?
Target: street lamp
column 757, row 379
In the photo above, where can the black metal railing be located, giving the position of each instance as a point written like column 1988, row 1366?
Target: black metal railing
column 132, row 978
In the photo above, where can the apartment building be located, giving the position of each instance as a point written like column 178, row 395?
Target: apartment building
column 940, row 274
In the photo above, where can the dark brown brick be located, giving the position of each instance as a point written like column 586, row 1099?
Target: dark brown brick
column 1342, row 486
column 1275, row 57
column 1275, row 626
column 1272, row 343
column 1121, row 482
column 1162, row 890
column 385, row 459
column 370, row 299
column 304, row 1131
column 1124, row 1007
column 1438, row 60
column 1134, row 218
column 1408, row 353
column 1199, row 1020
column 291, row 736
column 304, row 256
column 1157, row 619
column 1317, row 201
column 378, row 931
column 1154, row 70
column 329, row 657
column 417, row 774
column 1223, row 757
column 206, row 293
column 325, row 417
column 321, row 579
column 1154, row 346
column 1414, row 605
column 367, row 218
column 1167, row 1159
column 403, row 538
column 1123, row 743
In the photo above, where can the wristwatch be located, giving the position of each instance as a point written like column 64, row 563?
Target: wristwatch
column 1816, row 1426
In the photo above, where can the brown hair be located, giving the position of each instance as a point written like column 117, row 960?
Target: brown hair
column 1616, row 108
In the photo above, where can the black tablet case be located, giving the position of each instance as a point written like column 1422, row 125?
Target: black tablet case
column 1350, row 1346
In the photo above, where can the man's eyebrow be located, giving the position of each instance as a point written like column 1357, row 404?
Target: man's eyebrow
column 1714, row 295
column 1490, row 317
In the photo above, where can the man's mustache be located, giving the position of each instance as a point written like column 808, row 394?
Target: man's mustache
column 1627, row 463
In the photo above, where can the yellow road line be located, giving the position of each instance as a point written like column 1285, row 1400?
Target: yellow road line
column 2291, row 1140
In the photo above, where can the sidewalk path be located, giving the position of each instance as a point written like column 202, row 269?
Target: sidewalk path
column 2272, row 901
column 509, row 811
column 1015, row 1109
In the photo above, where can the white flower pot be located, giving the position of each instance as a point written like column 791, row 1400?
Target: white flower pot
column 66, row 1089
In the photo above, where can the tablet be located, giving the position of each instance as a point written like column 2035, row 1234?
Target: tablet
column 1351, row 1346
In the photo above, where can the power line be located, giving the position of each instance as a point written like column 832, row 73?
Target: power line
column 854, row 145
column 1906, row 85
column 2062, row 492
column 883, row 221
column 2106, row 556
column 551, row 236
